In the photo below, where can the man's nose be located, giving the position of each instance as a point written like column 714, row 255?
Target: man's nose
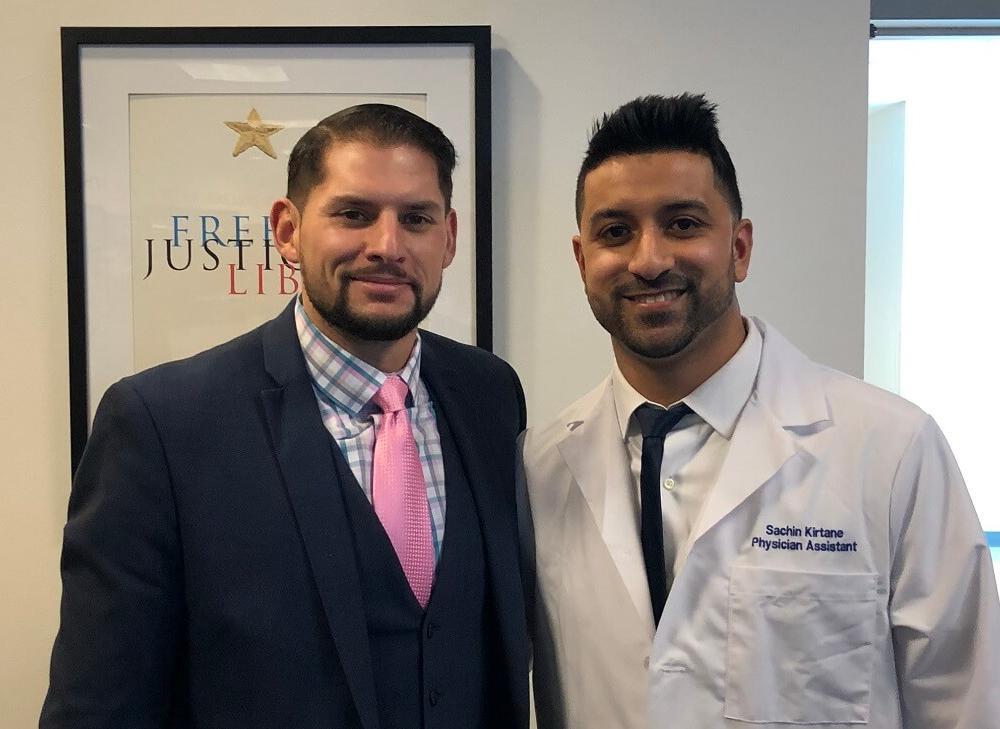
column 386, row 238
column 653, row 255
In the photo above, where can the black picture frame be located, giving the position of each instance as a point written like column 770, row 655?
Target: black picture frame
column 75, row 40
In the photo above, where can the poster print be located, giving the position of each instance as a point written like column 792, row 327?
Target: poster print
column 204, row 266
column 183, row 134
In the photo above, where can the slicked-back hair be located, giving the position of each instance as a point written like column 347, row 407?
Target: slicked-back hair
column 686, row 123
column 381, row 125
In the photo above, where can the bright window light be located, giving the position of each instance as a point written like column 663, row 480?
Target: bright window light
column 932, row 320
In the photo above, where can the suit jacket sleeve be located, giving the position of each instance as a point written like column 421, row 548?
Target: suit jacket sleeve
column 526, row 537
column 114, row 656
column 522, row 409
column 944, row 607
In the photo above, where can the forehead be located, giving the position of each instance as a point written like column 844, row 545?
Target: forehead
column 655, row 177
column 361, row 168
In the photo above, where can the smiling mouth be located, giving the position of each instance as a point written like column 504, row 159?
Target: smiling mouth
column 656, row 297
column 382, row 281
column 385, row 274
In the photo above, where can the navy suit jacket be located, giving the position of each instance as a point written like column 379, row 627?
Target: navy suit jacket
column 209, row 577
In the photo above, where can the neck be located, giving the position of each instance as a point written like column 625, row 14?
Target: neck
column 387, row 356
column 666, row 380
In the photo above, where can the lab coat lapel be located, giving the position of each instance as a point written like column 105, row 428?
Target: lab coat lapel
column 595, row 454
column 760, row 447
column 783, row 410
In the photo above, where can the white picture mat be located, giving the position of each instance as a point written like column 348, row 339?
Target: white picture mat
column 111, row 74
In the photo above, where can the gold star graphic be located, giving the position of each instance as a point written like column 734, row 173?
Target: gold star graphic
column 254, row 133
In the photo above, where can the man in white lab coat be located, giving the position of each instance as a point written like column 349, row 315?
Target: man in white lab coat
column 727, row 534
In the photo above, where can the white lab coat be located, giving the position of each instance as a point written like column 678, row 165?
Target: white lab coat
column 900, row 628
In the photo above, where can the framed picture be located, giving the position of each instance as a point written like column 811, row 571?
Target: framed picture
column 177, row 142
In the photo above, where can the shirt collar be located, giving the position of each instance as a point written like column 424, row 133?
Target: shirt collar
column 343, row 379
column 718, row 401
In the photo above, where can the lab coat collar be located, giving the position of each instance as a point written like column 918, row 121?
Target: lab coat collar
column 789, row 384
column 787, row 405
column 591, row 445
column 718, row 400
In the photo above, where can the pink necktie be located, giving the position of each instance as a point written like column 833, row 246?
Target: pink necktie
column 398, row 491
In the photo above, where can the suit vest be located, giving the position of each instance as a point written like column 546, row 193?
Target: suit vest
column 430, row 667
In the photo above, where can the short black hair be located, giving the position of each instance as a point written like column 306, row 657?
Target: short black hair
column 382, row 125
column 655, row 123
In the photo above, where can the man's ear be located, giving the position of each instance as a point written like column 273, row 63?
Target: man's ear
column 449, row 254
column 285, row 221
column 742, row 248
column 578, row 255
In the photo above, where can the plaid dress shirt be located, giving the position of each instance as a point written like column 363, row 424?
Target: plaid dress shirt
column 344, row 386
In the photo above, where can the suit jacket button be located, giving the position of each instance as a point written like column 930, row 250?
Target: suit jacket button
column 431, row 629
column 434, row 696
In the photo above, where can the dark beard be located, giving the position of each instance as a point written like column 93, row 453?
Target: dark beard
column 339, row 315
column 703, row 309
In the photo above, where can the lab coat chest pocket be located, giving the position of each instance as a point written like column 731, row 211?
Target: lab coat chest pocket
column 800, row 646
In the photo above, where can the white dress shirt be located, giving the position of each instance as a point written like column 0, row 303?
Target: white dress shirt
column 693, row 452
column 345, row 386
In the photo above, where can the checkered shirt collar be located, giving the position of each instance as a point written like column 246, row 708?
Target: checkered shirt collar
column 342, row 379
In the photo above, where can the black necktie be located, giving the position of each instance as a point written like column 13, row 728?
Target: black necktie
column 655, row 424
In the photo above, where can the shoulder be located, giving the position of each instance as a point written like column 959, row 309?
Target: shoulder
column 207, row 406
column 849, row 394
column 542, row 439
column 788, row 378
column 454, row 352
column 480, row 378
column 234, row 367
column 476, row 365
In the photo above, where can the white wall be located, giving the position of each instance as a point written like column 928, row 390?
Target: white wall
column 790, row 78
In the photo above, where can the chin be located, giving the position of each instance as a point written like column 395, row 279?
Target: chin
column 660, row 346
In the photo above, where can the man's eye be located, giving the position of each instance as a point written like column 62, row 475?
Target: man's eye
column 352, row 215
column 685, row 225
column 415, row 219
column 615, row 233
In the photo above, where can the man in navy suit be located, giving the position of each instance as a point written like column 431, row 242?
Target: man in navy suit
column 225, row 562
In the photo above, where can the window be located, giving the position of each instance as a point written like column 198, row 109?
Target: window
column 932, row 320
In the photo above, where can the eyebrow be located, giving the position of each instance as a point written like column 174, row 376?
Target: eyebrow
column 670, row 208
column 362, row 202
column 424, row 205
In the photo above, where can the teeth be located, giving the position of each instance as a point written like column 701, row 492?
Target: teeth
column 654, row 298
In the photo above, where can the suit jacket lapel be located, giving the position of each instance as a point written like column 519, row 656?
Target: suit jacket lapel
column 595, row 454
column 459, row 402
column 303, row 450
